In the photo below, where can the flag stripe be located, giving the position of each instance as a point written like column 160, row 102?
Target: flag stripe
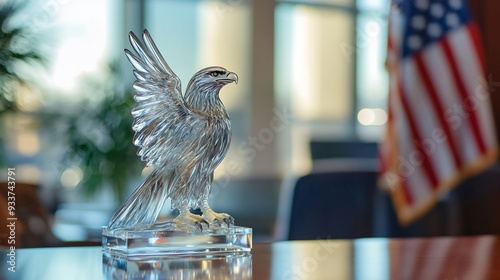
column 439, row 153
column 387, row 152
column 473, row 32
column 406, row 192
column 427, row 164
column 399, row 125
column 463, row 93
column 443, row 80
column 436, row 103
column 415, row 182
column 460, row 127
column 455, row 114
column 473, row 76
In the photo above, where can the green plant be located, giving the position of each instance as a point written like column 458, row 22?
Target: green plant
column 99, row 135
column 18, row 45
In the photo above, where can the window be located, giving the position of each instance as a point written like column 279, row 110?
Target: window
column 371, row 77
column 330, row 72
column 74, row 36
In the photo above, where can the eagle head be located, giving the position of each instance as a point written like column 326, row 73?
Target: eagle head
column 211, row 79
column 205, row 85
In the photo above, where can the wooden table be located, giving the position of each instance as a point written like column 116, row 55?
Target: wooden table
column 374, row 258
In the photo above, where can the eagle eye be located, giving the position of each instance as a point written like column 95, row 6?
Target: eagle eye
column 214, row 74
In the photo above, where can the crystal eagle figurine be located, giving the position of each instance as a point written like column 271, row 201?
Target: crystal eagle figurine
column 184, row 137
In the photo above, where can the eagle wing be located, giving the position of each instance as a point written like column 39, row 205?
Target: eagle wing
column 163, row 122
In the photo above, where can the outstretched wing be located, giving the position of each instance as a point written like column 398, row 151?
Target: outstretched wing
column 161, row 109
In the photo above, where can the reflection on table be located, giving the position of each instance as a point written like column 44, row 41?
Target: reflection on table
column 238, row 266
column 476, row 257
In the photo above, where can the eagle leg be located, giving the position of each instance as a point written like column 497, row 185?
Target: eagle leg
column 185, row 217
column 214, row 217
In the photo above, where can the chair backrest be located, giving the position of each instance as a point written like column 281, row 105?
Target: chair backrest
column 338, row 149
column 333, row 205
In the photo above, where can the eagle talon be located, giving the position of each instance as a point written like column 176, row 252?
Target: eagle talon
column 229, row 221
column 205, row 222
column 187, row 218
column 198, row 224
column 217, row 222
column 218, row 219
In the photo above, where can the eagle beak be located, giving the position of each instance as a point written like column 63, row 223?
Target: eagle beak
column 232, row 76
column 229, row 78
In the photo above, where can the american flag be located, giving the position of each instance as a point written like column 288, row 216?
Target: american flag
column 440, row 127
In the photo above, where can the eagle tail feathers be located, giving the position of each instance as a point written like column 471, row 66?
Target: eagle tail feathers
column 151, row 194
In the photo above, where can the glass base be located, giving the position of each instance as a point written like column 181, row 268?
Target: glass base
column 193, row 267
column 170, row 240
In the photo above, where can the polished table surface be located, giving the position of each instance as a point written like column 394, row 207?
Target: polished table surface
column 372, row 258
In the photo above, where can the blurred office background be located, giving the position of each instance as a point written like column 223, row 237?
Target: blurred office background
column 311, row 99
